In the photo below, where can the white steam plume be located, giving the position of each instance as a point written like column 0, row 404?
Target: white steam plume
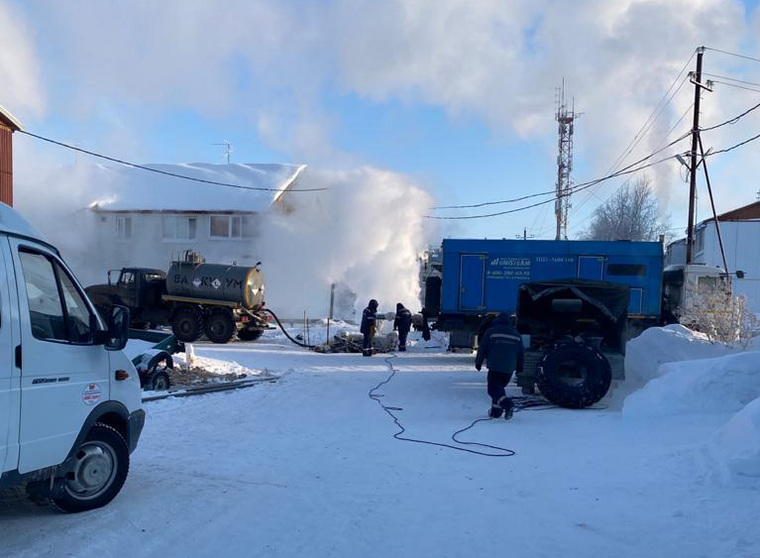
column 366, row 232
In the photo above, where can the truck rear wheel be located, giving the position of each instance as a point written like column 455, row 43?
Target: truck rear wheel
column 99, row 469
column 250, row 334
column 187, row 323
column 220, row 325
column 574, row 376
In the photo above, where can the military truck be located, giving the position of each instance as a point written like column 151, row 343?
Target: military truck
column 194, row 297
column 574, row 333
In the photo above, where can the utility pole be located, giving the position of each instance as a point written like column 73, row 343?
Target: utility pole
column 565, row 119
column 525, row 235
column 697, row 80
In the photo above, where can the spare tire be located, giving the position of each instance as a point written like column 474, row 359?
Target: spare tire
column 574, row 375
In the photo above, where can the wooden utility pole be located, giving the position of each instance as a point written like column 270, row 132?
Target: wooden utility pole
column 697, row 80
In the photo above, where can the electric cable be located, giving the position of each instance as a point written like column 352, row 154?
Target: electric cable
column 737, row 55
column 656, row 112
column 497, row 450
column 552, row 200
column 726, row 150
column 628, row 180
column 733, row 120
column 737, row 86
column 576, row 188
column 165, row 173
column 729, row 78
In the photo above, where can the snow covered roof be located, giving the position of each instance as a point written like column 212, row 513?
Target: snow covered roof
column 126, row 189
column 8, row 120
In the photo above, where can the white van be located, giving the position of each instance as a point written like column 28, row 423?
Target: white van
column 70, row 400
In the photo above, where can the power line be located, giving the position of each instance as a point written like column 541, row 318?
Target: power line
column 736, row 85
column 733, row 54
column 731, row 79
column 577, row 189
column 733, row 120
column 166, row 173
column 726, row 150
column 656, row 114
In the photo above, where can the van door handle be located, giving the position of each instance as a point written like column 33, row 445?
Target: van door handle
column 18, row 356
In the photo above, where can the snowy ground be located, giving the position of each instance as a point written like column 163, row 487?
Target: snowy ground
column 307, row 466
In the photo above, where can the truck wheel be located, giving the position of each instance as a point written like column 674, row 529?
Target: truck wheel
column 574, row 376
column 250, row 334
column 160, row 381
column 220, row 325
column 99, row 470
column 187, row 324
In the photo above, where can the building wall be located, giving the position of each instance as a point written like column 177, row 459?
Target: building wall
column 6, row 165
column 145, row 245
column 676, row 253
column 741, row 240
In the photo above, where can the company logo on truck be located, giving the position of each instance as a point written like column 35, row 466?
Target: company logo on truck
column 208, row 281
column 91, row 394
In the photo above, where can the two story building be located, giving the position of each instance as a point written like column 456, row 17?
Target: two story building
column 147, row 219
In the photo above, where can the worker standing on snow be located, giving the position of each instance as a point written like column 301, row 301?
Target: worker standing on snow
column 369, row 327
column 402, row 323
column 502, row 349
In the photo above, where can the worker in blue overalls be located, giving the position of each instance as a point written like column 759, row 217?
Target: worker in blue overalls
column 368, row 327
column 402, row 323
column 502, row 349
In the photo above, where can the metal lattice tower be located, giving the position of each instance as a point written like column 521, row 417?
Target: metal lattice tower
column 565, row 119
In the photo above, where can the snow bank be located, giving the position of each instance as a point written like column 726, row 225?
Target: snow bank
column 724, row 384
column 735, row 449
column 660, row 345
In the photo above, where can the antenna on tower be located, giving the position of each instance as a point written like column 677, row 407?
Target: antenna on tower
column 227, row 149
column 565, row 119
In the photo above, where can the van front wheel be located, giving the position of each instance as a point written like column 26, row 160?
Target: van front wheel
column 98, row 470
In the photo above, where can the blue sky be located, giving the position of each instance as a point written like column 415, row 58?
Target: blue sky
column 458, row 96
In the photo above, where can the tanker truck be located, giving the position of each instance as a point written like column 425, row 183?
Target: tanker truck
column 194, row 297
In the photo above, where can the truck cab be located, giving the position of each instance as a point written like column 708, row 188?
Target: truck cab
column 139, row 289
column 70, row 400
column 680, row 283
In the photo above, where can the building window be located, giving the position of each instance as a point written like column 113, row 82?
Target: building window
column 232, row 226
column 699, row 241
column 124, row 228
column 179, row 228
column 630, row 270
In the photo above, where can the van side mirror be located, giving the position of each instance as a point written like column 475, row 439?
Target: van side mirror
column 118, row 328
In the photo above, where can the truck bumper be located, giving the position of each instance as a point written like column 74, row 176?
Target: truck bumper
column 135, row 424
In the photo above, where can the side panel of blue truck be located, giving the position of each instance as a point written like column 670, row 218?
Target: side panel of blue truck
column 482, row 276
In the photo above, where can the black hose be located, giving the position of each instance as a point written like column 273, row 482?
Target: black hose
column 282, row 327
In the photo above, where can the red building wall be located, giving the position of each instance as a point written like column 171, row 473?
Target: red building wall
column 6, row 166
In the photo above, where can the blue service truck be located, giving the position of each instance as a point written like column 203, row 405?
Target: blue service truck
column 576, row 303
column 481, row 277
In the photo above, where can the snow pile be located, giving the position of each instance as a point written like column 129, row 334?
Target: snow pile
column 660, row 345
column 735, row 448
column 724, row 384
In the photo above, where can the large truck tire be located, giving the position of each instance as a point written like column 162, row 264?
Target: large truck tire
column 250, row 333
column 220, row 325
column 187, row 323
column 98, row 472
column 574, row 376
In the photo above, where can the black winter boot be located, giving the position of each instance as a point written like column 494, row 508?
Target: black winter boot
column 495, row 411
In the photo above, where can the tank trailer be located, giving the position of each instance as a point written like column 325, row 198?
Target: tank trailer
column 193, row 296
